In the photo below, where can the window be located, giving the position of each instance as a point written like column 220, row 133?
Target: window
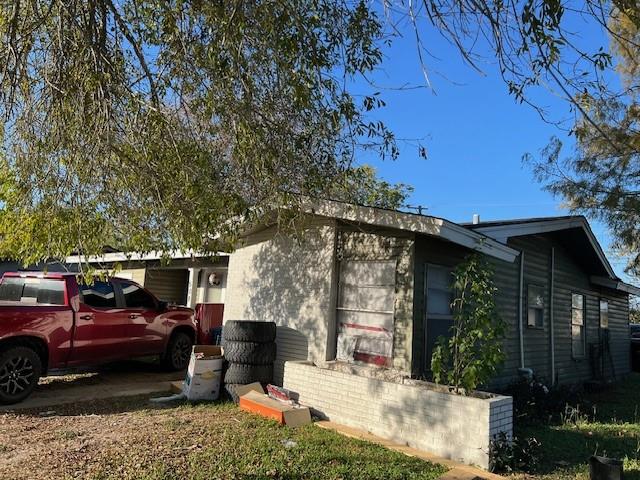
column 98, row 295
column 439, row 295
column 535, row 306
column 577, row 325
column 40, row 291
column 136, row 297
column 366, row 298
column 604, row 314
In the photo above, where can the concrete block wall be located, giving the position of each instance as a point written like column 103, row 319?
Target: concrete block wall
column 289, row 280
column 448, row 425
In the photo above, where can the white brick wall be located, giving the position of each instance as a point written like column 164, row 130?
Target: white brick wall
column 448, row 425
column 290, row 281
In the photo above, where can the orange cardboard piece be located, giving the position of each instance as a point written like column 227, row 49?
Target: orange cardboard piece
column 261, row 404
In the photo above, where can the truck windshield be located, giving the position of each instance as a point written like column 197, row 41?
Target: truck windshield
column 31, row 290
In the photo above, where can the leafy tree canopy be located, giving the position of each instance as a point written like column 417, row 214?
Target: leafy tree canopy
column 602, row 176
column 159, row 123
column 362, row 186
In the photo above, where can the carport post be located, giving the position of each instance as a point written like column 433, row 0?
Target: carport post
column 192, row 288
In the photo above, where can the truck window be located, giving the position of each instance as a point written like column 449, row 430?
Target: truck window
column 38, row 291
column 98, row 295
column 136, row 297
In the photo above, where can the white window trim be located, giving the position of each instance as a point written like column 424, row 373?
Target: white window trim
column 583, row 326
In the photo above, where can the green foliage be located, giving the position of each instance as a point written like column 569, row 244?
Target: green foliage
column 614, row 431
column 601, row 176
column 514, row 455
column 362, row 187
column 160, row 125
column 473, row 353
column 536, row 404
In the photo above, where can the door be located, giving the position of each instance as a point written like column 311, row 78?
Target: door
column 439, row 318
column 168, row 284
column 366, row 299
column 102, row 329
column 146, row 328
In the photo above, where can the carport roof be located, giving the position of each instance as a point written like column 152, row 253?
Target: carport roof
column 109, row 257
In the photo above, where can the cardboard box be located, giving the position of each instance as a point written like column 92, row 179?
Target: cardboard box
column 204, row 375
column 257, row 402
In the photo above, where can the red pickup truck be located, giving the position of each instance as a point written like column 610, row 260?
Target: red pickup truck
column 56, row 320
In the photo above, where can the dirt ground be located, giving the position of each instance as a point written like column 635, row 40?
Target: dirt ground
column 129, row 438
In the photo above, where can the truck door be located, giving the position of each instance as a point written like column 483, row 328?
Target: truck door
column 147, row 331
column 101, row 331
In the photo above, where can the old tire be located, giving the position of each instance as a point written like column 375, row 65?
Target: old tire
column 248, row 331
column 178, row 352
column 20, row 370
column 251, row 353
column 230, row 391
column 243, row 373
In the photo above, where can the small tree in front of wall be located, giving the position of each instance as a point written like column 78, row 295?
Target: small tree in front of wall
column 473, row 353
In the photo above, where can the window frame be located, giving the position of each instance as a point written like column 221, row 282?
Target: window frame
column 113, row 287
column 600, row 302
column 437, row 316
column 63, row 301
column 121, row 298
column 542, row 308
column 583, row 326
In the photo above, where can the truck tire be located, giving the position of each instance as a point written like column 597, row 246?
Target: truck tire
column 248, row 331
column 251, row 353
column 178, row 352
column 20, row 370
column 243, row 373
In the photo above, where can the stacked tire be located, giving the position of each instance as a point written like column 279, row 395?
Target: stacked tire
column 250, row 350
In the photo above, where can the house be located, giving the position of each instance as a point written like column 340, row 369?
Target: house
column 370, row 288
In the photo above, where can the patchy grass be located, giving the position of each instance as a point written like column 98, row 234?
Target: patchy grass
column 131, row 439
column 611, row 429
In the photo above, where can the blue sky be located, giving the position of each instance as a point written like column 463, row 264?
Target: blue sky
column 475, row 134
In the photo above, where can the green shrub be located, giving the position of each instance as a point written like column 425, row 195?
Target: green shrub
column 536, row 404
column 473, row 353
column 514, row 455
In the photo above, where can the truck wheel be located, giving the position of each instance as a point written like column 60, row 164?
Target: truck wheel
column 249, row 331
column 178, row 352
column 20, row 370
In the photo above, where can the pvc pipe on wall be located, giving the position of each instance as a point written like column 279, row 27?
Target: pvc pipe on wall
column 521, row 310
column 551, row 316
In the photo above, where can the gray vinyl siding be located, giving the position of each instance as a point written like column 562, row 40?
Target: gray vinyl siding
column 506, row 279
column 428, row 250
column 537, row 271
column 569, row 278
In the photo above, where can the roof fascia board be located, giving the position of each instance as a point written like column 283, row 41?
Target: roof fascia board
column 427, row 225
column 615, row 285
column 502, row 233
column 125, row 257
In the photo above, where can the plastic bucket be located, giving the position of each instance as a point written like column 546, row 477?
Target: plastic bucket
column 603, row 468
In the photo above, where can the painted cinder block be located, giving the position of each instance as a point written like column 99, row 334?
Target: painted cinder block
column 453, row 426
